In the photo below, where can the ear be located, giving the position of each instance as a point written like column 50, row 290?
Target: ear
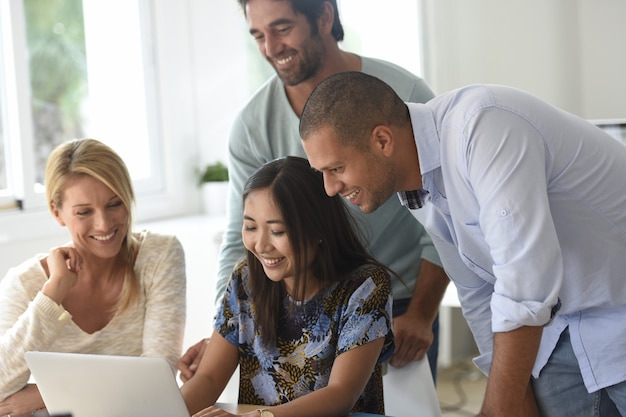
column 382, row 140
column 326, row 19
column 56, row 212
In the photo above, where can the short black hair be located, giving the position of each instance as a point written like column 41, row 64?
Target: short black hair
column 352, row 103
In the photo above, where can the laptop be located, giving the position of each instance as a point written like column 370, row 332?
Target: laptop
column 88, row 385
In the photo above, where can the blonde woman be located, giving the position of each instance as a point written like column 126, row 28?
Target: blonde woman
column 107, row 291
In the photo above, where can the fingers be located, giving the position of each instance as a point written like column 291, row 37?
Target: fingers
column 412, row 339
column 212, row 412
column 196, row 361
column 183, row 365
column 412, row 354
column 408, row 350
column 188, row 363
column 185, row 374
column 63, row 266
column 22, row 403
column 67, row 257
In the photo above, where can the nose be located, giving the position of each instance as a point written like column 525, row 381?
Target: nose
column 101, row 220
column 331, row 184
column 262, row 242
column 273, row 46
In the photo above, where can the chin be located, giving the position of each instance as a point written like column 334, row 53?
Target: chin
column 368, row 208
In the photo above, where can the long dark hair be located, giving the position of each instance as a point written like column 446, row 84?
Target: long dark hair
column 312, row 220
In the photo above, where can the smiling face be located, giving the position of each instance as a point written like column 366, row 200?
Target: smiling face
column 286, row 40
column 265, row 235
column 363, row 176
column 95, row 217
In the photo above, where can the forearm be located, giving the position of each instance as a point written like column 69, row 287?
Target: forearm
column 429, row 290
column 23, row 403
column 508, row 385
column 215, row 370
column 413, row 328
column 164, row 330
column 349, row 376
column 36, row 329
column 199, row 392
column 328, row 401
column 165, row 309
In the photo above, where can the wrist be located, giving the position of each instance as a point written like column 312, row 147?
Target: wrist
column 55, row 290
column 418, row 316
column 264, row 412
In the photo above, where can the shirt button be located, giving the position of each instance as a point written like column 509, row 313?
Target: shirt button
column 503, row 213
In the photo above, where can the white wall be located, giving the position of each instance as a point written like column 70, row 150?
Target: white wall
column 219, row 40
column 569, row 52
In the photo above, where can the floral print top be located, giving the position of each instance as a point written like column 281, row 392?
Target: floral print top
column 347, row 315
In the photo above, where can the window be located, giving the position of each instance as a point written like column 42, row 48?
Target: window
column 75, row 68
column 391, row 32
column 3, row 163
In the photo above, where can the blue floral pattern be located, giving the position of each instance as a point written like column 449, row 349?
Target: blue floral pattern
column 350, row 314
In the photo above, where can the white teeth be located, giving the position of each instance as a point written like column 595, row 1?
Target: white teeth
column 103, row 238
column 271, row 261
column 353, row 194
column 284, row 60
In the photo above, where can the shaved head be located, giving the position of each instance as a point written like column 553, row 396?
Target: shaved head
column 352, row 104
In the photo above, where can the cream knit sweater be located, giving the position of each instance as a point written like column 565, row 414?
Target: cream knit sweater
column 30, row 320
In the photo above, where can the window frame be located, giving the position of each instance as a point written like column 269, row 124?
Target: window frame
column 16, row 115
column 172, row 194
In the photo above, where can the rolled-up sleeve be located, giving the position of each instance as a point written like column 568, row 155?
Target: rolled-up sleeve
column 519, row 232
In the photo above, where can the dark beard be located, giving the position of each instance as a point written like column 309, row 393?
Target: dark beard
column 310, row 63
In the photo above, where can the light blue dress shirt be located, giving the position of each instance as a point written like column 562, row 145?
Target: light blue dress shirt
column 526, row 206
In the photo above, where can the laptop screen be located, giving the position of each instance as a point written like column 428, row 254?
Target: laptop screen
column 89, row 385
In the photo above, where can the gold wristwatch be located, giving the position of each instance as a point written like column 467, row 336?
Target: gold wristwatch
column 265, row 412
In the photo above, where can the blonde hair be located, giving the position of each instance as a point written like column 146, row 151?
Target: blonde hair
column 80, row 157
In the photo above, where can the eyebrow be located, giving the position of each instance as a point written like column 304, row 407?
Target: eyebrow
column 278, row 22
column 113, row 197
column 245, row 217
column 329, row 166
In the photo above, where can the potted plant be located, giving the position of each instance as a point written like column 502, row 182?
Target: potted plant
column 213, row 181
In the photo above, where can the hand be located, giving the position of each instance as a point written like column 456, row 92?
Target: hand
column 22, row 403
column 213, row 411
column 63, row 265
column 412, row 338
column 188, row 363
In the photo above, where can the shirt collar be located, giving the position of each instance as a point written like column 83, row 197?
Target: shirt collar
column 413, row 199
column 426, row 136
column 427, row 143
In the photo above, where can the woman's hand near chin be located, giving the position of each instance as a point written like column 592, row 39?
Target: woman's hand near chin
column 63, row 264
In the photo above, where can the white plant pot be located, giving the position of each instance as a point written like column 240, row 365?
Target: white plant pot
column 214, row 197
